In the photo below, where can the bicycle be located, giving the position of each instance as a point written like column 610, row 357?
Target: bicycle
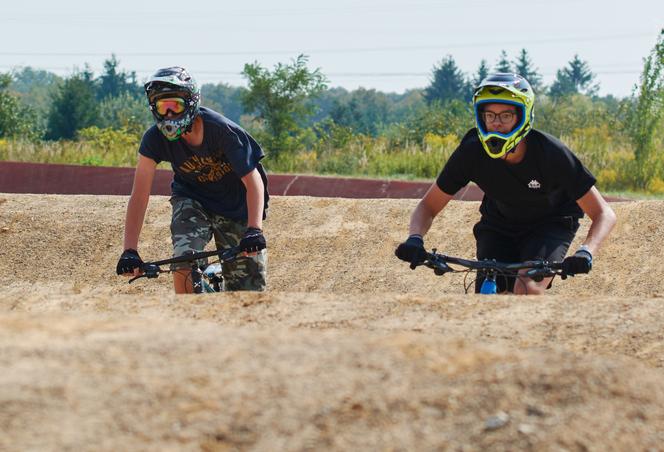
column 492, row 269
column 206, row 278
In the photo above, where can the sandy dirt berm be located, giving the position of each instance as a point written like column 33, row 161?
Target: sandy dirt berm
column 348, row 350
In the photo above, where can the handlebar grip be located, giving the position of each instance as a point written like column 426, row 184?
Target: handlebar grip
column 535, row 276
column 439, row 271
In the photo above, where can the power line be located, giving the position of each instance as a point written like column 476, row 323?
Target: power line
column 343, row 74
column 441, row 48
column 376, row 7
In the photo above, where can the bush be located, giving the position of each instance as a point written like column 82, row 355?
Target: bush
column 367, row 156
column 656, row 186
column 98, row 147
column 112, row 147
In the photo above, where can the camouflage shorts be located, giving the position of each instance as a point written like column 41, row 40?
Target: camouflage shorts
column 192, row 227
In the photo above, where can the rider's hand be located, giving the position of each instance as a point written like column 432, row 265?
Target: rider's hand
column 253, row 241
column 579, row 262
column 129, row 260
column 412, row 250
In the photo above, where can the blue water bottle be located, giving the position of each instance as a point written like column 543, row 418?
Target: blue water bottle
column 488, row 286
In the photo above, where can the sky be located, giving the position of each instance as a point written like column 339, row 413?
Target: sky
column 388, row 45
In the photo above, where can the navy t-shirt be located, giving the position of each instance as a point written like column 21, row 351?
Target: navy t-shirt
column 543, row 186
column 210, row 173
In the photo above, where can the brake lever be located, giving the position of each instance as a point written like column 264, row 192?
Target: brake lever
column 438, row 265
column 229, row 254
column 137, row 277
column 438, row 271
column 149, row 271
column 538, row 274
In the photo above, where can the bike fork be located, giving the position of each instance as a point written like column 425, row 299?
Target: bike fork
column 196, row 279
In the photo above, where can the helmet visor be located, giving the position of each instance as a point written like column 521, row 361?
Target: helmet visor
column 176, row 105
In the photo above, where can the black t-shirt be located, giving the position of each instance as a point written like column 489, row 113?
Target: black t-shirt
column 210, row 173
column 544, row 185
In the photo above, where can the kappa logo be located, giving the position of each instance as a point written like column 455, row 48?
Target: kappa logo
column 534, row 184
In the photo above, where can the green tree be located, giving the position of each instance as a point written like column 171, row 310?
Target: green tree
column 279, row 98
column 363, row 110
column 125, row 112
column 503, row 64
column 114, row 82
column 454, row 117
column 448, row 83
column 482, row 72
column 394, row 107
column 324, row 103
column 74, row 106
column 645, row 116
column 223, row 98
column 36, row 88
column 27, row 78
column 404, row 105
column 524, row 67
column 575, row 78
column 16, row 120
column 560, row 117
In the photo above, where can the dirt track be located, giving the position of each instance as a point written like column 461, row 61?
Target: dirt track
column 348, row 349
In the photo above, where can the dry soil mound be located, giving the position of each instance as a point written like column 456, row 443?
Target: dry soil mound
column 348, row 349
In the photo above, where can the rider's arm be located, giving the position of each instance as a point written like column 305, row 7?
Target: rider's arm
column 429, row 206
column 255, row 198
column 602, row 216
column 138, row 201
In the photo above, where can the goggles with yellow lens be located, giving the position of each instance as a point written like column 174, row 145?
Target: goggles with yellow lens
column 176, row 105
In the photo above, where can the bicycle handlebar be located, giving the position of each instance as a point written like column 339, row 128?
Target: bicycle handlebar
column 537, row 269
column 152, row 269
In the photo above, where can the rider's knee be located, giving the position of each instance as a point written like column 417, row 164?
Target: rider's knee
column 526, row 286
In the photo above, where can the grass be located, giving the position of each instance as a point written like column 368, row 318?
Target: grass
column 360, row 158
column 635, row 195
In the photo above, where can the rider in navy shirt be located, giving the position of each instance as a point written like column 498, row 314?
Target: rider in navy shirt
column 219, row 186
column 535, row 189
column 213, row 168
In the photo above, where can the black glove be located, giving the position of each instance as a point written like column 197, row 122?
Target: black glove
column 129, row 260
column 579, row 262
column 252, row 241
column 412, row 250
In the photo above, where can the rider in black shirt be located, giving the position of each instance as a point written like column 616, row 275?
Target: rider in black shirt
column 535, row 189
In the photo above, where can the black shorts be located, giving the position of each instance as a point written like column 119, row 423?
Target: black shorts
column 548, row 240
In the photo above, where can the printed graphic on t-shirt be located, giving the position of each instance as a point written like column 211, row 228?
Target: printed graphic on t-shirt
column 206, row 169
column 534, row 184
